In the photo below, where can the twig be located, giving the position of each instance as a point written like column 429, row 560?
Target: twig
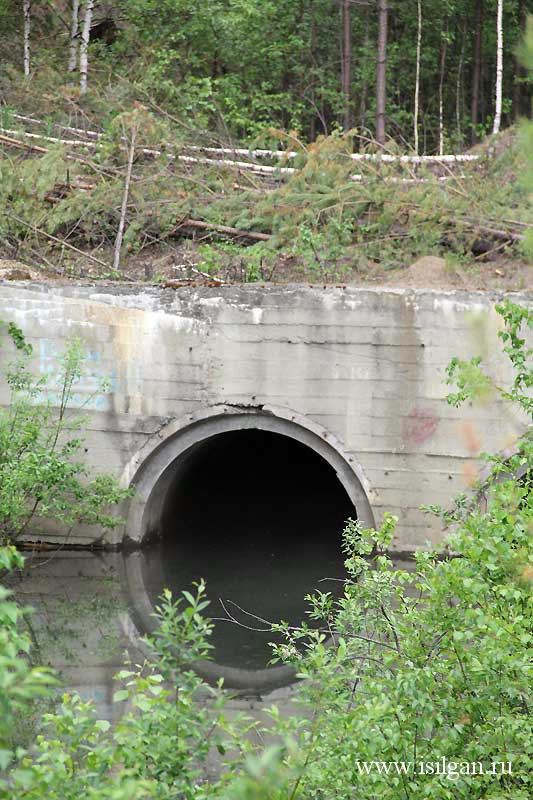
column 393, row 629
column 231, row 618
column 495, row 249
column 55, row 239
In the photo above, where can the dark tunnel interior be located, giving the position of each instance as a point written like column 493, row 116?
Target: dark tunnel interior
column 259, row 516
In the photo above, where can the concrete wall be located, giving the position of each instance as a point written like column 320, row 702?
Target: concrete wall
column 364, row 366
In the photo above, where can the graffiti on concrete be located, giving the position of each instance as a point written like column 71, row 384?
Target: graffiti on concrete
column 420, row 425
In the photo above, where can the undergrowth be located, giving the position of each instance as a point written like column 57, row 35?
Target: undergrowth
column 331, row 217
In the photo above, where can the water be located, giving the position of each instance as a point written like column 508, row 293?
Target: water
column 79, row 608
column 83, row 618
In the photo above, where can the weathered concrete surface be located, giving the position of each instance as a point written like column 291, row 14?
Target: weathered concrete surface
column 364, row 369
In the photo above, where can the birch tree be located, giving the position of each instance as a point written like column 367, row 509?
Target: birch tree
column 26, row 7
column 499, row 67
column 74, row 39
column 417, row 78
column 84, row 44
column 444, row 45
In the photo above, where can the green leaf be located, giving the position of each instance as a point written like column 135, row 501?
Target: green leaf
column 6, row 757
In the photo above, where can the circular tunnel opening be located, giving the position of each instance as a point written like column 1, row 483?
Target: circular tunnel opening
column 259, row 516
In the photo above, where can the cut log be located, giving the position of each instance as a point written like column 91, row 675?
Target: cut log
column 496, row 233
column 22, row 145
column 226, row 230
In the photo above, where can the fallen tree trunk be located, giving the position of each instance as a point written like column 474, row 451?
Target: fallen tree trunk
column 226, row 230
column 496, row 233
column 22, row 145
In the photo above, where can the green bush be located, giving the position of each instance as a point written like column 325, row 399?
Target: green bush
column 21, row 684
column 159, row 748
column 39, row 445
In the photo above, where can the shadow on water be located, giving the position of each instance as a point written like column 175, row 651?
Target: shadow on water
column 259, row 516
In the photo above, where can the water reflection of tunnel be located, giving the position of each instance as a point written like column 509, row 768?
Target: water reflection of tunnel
column 259, row 516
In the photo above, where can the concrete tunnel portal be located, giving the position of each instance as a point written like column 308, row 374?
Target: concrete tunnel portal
column 352, row 374
column 255, row 505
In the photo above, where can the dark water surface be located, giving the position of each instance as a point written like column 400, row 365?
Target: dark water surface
column 82, row 620
column 259, row 517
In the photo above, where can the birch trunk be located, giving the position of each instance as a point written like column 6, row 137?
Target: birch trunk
column 27, row 31
column 84, row 45
column 441, row 96
column 381, row 71
column 499, row 68
column 74, row 41
column 417, row 79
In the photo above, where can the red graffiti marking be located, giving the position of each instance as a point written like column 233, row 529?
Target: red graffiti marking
column 420, row 425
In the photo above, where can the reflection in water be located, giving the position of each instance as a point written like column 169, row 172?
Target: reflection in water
column 78, row 602
column 259, row 516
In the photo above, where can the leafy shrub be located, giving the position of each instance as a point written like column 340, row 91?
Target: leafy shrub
column 21, row 684
column 39, row 443
column 159, row 748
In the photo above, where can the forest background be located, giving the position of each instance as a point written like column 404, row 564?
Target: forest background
column 163, row 86
column 309, row 66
